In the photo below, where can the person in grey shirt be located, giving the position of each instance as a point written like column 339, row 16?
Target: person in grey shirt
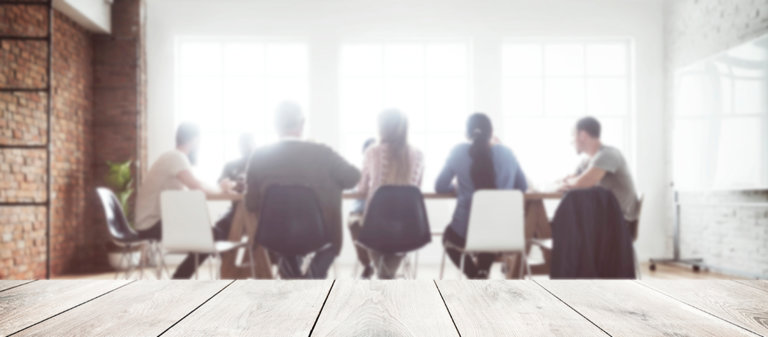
column 604, row 167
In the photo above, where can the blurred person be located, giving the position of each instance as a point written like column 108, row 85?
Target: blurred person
column 390, row 162
column 603, row 166
column 354, row 223
column 294, row 161
column 234, row 171
column 482, row 164
column 171, row 171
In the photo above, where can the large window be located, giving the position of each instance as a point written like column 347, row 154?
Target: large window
column 231, row 86
column 547, row 85
column 428, row 80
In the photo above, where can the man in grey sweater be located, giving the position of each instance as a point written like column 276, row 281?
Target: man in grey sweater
column 294, row 161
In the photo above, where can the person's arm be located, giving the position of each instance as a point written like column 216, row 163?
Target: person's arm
column 344, row 173
column 252, row 186
column 588, row 179
column 519, row 182
column 444, row 183
column 365, row 178
column 191, row 182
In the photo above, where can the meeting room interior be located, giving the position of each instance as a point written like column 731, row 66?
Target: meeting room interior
column 384, row 167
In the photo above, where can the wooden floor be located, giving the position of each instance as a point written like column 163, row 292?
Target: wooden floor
column 392, row 308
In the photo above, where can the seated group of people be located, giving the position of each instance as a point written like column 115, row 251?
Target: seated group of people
column 481, row 163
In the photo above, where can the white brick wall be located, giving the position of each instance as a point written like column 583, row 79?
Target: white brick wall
column 730, row 237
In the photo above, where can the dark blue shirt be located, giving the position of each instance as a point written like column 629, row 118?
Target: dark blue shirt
column 509, row 176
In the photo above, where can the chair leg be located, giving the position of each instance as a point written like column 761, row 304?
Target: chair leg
column 461, row 266
column 161, row 261
column 522, row 261
column 250, row 256
column 637, row 263
column 355, row 270
column 415, row 264
column 442, row 264
column 212, row 263
column 197, row 267
column 527, row 266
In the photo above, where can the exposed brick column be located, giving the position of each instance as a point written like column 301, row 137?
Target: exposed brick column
column 119, row 93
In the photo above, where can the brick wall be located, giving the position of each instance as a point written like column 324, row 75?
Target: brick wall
column 717, row 226
column 119, row 110
column 97, row 105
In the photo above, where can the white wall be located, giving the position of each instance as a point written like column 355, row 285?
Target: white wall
column 92, row 14
column 325, row 24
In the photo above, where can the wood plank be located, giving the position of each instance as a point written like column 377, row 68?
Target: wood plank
column 759, row 284
column 511, row 308
column 142, row 308
column 627, row 308
column 24, row 306
column 8, row 284
column 258, row 307
column 391, row 308
column 734, row 302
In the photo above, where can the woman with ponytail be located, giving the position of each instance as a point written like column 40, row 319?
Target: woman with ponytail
column 390, row 162
column 480, row 164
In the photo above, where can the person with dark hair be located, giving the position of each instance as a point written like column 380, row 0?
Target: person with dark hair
column 481, row 164
column 603, row 166
column 355, row 224
column 171, row 171
column 234, row 171
column 393, row 161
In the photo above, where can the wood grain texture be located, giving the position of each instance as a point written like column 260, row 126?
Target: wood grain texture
column 142, row 308
column 26, row 305
column 759, row 284
column 511, row 308
column 384, row 308
column 263, row 308
column 734, row 302
column 627, row 308
column 8, row 284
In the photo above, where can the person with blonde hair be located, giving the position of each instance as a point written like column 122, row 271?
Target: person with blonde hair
column 392, row 161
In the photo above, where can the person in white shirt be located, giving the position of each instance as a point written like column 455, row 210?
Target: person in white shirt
column 171, row 171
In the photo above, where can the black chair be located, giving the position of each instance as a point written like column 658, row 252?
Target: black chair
column 291, row 221
column 396, row 222
column 121, row 232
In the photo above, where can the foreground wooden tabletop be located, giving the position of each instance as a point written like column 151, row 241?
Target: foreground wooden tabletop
column 392, row 308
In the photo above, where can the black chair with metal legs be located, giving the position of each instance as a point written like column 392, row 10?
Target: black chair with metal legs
column 121, row 232
column 396, row 223
column 291, row 222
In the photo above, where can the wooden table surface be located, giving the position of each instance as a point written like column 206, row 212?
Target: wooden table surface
column 392, row 308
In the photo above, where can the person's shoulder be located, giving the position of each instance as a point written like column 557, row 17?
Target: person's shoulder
column 460, row 147
column 172, row 156
column 611, row 151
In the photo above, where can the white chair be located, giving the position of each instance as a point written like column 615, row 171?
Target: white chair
column 496, row 225
column 187, row 228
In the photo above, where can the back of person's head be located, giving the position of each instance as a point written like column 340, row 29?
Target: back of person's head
column 480, row 131
column 187, row 133
column 368, row 142
column 590, row 125
column 289, row 118
column 393, row 131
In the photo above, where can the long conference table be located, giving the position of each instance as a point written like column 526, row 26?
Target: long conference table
column 384, row 308
column 245, row 223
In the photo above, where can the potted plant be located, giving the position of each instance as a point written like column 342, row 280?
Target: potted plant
column 120, row 180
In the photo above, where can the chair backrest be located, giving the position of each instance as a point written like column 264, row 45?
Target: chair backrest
column 186, row 223
column 634, row 228
column 396, row 220
column 117, row 224
column 291, row 221
column 496, row 221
